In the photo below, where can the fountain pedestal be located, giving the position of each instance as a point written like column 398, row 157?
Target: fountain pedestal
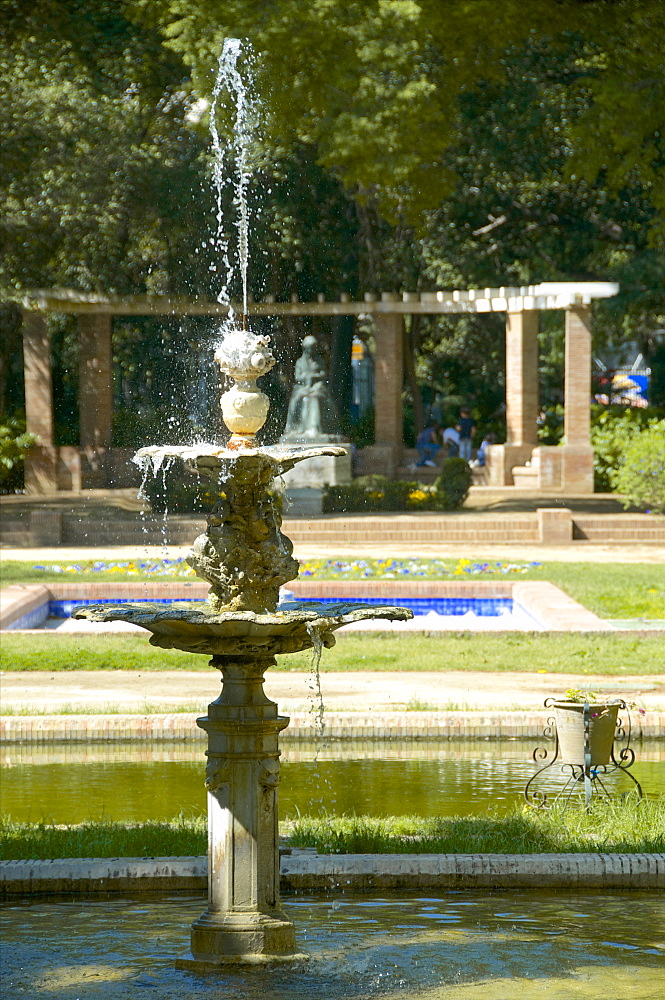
column 244, row 921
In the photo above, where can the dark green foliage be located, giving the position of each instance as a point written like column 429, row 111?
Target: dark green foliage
column 14, row 444
column 371, row 493
column 404, row 146
column 368, row 494
column 452, row 486
column 613, row 431
column 641, row 476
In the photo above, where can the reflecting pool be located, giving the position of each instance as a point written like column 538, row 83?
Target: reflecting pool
column 133, row 782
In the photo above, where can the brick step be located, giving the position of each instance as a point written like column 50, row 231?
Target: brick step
column 620, row 535
column 15, row 539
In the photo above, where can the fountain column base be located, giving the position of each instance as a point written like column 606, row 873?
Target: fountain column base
column 240, row 938
column 244, row 922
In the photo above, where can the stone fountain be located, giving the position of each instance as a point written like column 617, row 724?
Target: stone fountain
column 246, row 559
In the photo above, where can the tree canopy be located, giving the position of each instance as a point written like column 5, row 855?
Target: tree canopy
column 376, row 85
column 404, row 144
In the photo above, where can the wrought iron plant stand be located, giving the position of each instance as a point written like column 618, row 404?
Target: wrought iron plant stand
column 587, row 753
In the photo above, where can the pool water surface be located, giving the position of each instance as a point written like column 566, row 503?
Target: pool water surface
column 64, row 783
column 455, row 946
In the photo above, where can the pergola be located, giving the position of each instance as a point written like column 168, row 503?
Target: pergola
column 519, row 462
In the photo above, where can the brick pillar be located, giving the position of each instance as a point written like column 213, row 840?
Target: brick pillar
column 386, row 454
column 522, row 377
column 41, row 462
column 577, row 385
column 521, row 398
column 577, row 457
column 95, row 380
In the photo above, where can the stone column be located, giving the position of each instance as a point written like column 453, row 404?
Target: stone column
column 577, row 454
column 41, row 463
column 521, row 398
column 386, row 454
column 244, row 922
column 95, row 380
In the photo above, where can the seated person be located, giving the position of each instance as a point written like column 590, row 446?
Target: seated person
column 451, row 440
column 480, row 454
column 428, row 446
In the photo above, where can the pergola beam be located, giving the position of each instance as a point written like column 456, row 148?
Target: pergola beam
column 547, row 295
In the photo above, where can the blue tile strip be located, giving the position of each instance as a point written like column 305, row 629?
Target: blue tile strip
column 483, row 606
column 33, row 619
column 63, row 609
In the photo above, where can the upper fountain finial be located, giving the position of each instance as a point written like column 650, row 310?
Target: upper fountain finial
column 244, row 356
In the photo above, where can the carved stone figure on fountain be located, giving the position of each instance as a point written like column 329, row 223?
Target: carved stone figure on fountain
column 243, row 554
column 312, row 414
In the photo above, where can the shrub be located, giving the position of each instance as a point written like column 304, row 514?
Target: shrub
column 452, row 486
column 613, row 430
column 14, row 445
column 641, row 475
column 369, row 494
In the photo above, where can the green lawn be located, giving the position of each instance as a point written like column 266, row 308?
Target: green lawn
column 551, row 652
column 624, row 827
column 627, row 590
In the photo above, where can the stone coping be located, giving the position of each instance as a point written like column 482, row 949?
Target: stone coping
column 363, row 725
column 306, row 871
column 21, row 605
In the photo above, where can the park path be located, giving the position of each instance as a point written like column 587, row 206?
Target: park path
column 296, row 690
column 615, row 552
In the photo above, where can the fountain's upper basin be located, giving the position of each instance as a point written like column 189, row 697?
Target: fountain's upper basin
column 214, row 460
column 196, row 628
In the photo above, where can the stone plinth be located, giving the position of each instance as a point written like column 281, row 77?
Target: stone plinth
column 500, row 459
column 303, row 502
column 555, row 525
column 566, row 468
column 313, row 473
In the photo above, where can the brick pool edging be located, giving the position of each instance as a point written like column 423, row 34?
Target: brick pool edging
column 306, row 871
column 499, row 725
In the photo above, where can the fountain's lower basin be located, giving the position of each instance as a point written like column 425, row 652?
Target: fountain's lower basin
column 457, row 946
column 195, row 628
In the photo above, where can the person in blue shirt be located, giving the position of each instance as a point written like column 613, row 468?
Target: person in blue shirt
column 466, row 429
column 481, row 454
column 428, row 446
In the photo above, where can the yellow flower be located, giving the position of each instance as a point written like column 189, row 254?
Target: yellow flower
column 417, row 496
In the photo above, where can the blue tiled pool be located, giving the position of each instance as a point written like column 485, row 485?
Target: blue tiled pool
column 474, row 607
column 482, row 606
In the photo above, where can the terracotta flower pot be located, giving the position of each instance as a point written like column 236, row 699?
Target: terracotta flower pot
column 569, row 717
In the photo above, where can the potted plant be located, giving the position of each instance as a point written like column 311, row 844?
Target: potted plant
column 585, row 723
